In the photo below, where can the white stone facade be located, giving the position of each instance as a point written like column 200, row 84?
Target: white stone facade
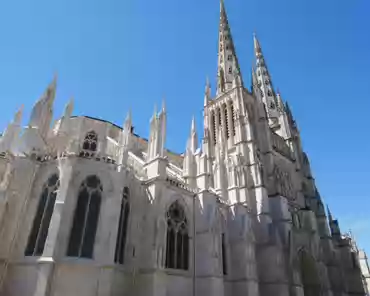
column 90, row 208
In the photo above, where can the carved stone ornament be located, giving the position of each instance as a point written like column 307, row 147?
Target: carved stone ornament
column 283, row 182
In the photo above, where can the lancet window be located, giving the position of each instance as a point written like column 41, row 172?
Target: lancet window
column 86, row 217
column 224, row 256
column 232, row 118
column 122, row 227
column 177, row 241
column 41, row 222
column 226, row 120
column 213, row 119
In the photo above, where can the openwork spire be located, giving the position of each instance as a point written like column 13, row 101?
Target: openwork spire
column 228, row 66
column 264, row 84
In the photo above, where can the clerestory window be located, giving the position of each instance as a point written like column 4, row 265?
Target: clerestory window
column 122, row 227
column 86, row 217
column 41, row 222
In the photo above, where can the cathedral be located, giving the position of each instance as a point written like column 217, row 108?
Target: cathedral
column 91, row 208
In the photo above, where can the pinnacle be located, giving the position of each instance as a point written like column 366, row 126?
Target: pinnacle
column 257, row 46
column 193, row 125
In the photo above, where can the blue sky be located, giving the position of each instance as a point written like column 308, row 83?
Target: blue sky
column 116, row 55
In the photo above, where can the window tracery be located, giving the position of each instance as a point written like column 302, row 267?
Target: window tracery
column 177, row 250
column 86, row 217
column 90, row 145
column 122, row 227
column 41, row 222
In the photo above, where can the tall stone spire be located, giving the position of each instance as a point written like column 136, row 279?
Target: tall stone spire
column 190, row 166
column 12, row 132
column 228, row 66
column 207, row 93
column 42, row 112
column 265, row 85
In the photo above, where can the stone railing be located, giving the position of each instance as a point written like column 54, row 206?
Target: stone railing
column 280, row 146
column 136, row 164
column 177, row 183
column 174, row 168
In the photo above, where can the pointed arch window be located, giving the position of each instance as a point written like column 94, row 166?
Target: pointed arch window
column 89, row 145
column 230, row 70
column 177, row 250
column 232, row 118
column 86, row 217
column 219, row 116
column 41, row 222
column 229, row 57
column 213, row 119
column 224, row 256
column 226, row 121
column 122, row 227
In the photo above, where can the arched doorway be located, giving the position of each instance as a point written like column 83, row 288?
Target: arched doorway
column 309, row 275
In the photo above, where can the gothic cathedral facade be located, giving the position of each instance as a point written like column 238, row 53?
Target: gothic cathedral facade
column 91, row 208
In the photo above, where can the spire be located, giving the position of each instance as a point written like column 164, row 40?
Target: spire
column 329, row 214
column 18, row 116
column 207, row 93
column 228, row 66
column 164, row 105
column 65, row 121
column 257, row 47
column 264, row 83
column 11, row 133
column 193, row 140
column 128, row 121
column 42, row 112
column 69, row 108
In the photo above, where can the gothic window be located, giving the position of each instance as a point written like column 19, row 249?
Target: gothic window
column 219, row 116
column 213, row 118
column 230, row 70
column 258, row 73
column 232, row 118
column 224, row 261
column 90, row 144
column 227, row 121
column 269, row 93
column 259, row 83
column 86, row 217
column 177, row 251
column 272, row 105
column 122, row 227
column 41, row 222
column 261, row 93
column 227, row 47
column 229, row 57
